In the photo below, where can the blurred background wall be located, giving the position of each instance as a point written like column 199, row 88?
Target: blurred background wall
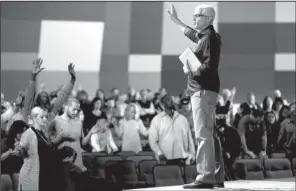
column 121, row 44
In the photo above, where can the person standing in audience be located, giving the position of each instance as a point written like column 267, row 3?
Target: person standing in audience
column 114, row 93
column 267, row 104
column 170, row 136
column 102, row 141
column 276, row 106
column 272, row 130
column 284, row 113
column 129, row 129
column 253, row 134
column 250, row 104
column 147, row 108
column 286, row 139
column 101, row 95
column 95, row 114
column 69, row 123
column 131, row 95
column 42, row 170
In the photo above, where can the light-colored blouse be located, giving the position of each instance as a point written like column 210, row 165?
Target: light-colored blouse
column 129, row 131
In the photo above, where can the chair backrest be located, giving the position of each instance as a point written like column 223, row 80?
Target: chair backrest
column 6, row 183
column 278, row 155
column 167, row 175
column 138, row 159
column 100, row 164
column 277, row 168
column 249, row 169
column 146, row 153
column 294, row 165
column 126, row 171
column 125, row 154
column 146, row 171
column 190, row 173
column 110, row 169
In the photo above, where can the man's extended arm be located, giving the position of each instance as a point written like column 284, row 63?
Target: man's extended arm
column 64, row 94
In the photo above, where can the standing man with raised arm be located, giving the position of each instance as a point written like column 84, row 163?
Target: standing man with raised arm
column 203, row 87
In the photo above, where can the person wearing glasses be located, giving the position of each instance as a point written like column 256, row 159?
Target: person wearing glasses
column 203, row 87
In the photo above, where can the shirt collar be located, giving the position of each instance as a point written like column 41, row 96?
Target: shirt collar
column 176, row 114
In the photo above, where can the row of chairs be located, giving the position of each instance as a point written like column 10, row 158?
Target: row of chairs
column 149, row 174
column 255, row 169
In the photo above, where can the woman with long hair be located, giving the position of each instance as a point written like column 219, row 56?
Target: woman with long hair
column 42, row 170
column 130, row 128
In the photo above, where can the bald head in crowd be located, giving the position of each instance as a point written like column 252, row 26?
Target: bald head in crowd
column 72, row 108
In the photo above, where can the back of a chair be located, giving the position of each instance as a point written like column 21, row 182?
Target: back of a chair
column 138, row 159
column 6, row 183
column 249, row 169
column 126, row 171
column 294, row 166
column 100, row 164
column 277, row 168
column 146, row 171
column 146, row 153
column 190, row 173
column 125, row 154
column 110, row 169
column 278, row 155
column 167, row 175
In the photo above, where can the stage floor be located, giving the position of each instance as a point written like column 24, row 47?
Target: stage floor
column 284, row 184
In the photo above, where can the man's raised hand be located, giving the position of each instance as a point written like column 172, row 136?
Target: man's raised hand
column 71, row 70
column 37, row 66
column 173, row 13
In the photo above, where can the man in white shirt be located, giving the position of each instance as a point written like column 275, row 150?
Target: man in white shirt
column 170, row 136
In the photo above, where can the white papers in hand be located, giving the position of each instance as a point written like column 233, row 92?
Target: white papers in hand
column 189, row 59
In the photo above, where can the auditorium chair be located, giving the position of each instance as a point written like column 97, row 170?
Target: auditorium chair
column 146, row 171
column 167, row 175
column 147, row 153
column 278, row 155
column 124, row 174
column 277, row 168
column 248, row 169
column 99, row 164
column 294, row 165
column 6, row 183
column 125, row 154
column 190, row 173
column 138, row 159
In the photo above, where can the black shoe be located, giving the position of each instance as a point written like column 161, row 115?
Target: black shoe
column 196, row 185
column 219, row 185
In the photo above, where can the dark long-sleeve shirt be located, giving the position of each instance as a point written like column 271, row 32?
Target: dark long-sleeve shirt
column 207, row 50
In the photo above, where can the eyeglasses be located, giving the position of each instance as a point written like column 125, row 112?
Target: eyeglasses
column 199, row 15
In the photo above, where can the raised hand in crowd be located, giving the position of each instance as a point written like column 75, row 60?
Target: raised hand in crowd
column 95, row 129
column 37, row 67
column 72, row 71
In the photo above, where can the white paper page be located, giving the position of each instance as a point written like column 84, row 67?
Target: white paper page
column 189, row 56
